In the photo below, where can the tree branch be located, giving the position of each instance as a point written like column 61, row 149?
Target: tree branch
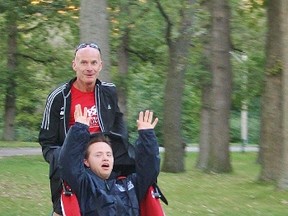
column 139, row 55
column 42, row 61
column 168, row 21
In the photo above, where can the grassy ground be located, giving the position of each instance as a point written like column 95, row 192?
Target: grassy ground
column 24, row 189
column 15, row 144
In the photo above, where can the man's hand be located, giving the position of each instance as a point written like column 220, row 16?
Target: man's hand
column 79, row 117
column 145, row 120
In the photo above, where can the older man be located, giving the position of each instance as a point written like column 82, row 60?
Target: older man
column 86, row 89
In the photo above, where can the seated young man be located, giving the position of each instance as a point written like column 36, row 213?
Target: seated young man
column 86, row 164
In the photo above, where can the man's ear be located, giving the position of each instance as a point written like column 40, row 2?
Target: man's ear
column 73, row 64
column 86, row 163
column 101, row 66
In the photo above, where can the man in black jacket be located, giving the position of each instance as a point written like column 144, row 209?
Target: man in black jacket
column 86, row 89
column 86, row 164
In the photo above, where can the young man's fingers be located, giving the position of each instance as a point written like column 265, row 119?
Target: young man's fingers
column 77, row 111
column 140, row 117
column 155, row 122
column 85, row 112
column 150, row 117
column 146, row 116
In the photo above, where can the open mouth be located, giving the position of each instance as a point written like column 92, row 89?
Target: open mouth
column 106, row 165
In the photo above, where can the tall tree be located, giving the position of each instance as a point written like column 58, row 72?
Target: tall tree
column 94, row 27
column 123, row 56
column 205, row 127
column 24, row 22
column 219, row 157
column 178, row 60
column 283, row 178
column 10, row 94
column 206, row 93
column 271, row 137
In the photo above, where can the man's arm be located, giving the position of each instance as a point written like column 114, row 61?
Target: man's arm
column 119, row 126
column 71, row 154
column 147, row 153
column 49, row 135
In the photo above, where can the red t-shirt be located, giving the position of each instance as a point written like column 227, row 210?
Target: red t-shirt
column 86, row 99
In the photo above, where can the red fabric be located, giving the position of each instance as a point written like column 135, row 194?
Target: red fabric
column 70, row 205
column 150, row 205
column 86, row 99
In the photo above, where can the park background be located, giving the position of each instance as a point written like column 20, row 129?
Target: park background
column 214, row 72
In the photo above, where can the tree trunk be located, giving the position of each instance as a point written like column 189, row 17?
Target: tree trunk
column 178, row 56
column 123, row 62
column 283, row 180
column 123, row 58
column 271, row 117
column 219, row 157
column 94, row 27
column 204, row 144
column 206, row 89
column 173, row 143
column 10, row 93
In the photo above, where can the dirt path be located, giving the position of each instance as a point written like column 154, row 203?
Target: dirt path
column 37, row 151
column 4, row 152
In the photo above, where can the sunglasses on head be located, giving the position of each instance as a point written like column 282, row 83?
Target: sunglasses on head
column 83, row 45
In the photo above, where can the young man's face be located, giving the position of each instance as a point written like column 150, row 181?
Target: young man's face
column 100, row 159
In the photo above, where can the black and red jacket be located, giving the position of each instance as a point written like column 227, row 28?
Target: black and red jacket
column 55, row 120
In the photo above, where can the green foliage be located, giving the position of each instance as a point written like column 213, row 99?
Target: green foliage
column 248, row 39
column 145, row 92
column 191, row 113
column 48, row 32
column 44, row 53
column 253, row 124
column 276, row 69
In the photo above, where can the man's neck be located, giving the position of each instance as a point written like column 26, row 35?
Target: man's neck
column 84, row 87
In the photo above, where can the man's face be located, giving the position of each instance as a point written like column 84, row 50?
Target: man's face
column 100, row 159
column 87, row 65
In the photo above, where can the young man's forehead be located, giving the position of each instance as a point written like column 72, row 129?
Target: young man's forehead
column 101, row 145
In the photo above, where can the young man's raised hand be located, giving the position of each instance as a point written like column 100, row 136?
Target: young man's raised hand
column 145, row 120
column 79, row 117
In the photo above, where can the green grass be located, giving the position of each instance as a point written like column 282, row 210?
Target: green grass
column 24, row 189
column 239, row 193
column 24, row 186
column 15, row 144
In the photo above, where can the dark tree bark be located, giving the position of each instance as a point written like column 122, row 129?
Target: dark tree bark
column 204, row 143
column 283, row 179
column 94, row 27
column 178, row 56
column 10, row 94
column 271, row 138
column 123, row 63
column 206, row 90
column 219, row 155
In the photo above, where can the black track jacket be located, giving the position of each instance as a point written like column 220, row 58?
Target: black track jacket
column 55, row 120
